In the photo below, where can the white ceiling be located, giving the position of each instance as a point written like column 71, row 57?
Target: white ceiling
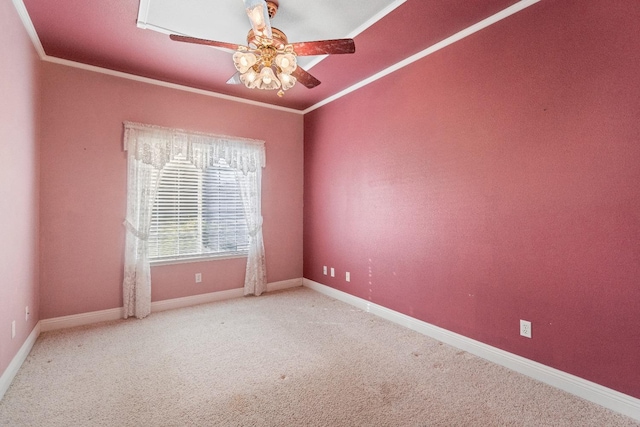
column 301, row 20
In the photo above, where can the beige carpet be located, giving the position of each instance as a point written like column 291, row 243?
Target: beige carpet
column 291, row 358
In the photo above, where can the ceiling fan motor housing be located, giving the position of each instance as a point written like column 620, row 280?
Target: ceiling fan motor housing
column 279, row 39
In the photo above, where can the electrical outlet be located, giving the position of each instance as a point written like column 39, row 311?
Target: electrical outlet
column 525, row 328
column 13, row 329
column 198, row 277
column 347, row 276
column 26, row 313
column 333, row 272
column 324, row 270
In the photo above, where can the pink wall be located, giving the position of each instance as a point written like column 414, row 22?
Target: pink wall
column 19, row 155
column 493, row 181
column 84, row 187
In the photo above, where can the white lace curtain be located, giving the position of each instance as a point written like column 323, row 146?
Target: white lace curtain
column 152, row 147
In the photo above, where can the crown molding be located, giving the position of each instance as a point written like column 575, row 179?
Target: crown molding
column 28, row 26
column 505, row 13
column 155, row 82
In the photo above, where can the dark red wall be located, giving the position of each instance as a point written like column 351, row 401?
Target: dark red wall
column 496, row 180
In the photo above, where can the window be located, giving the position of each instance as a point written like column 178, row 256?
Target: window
column 197, row 214
column 196, row 211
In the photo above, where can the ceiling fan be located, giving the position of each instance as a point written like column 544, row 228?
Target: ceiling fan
column 269, row 61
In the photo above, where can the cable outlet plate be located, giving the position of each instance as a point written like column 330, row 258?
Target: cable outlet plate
column 525, row 328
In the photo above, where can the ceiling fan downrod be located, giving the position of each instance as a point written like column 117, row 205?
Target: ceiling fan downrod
column 272, row 8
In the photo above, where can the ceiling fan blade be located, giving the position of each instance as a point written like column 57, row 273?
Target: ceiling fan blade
column 214, row 43
column 259, row 16
column 305, row 78
column 324, row 47
column 235, row 79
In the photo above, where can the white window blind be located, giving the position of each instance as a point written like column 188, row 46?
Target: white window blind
column 197, row 214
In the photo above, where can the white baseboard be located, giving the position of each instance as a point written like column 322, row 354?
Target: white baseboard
column 170, row 304
column 580, row 387
column 284, row 284
column 12, row 370
column 74, row 320
column 190, row 301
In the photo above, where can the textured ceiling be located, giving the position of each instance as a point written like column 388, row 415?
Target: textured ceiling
column 106, row 34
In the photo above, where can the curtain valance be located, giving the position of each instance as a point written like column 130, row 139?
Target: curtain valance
column 156, row 146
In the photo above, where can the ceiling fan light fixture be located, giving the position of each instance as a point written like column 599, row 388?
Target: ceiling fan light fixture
column 243, row 61
column 287, row 81
column 267, row 80
column 286, row 62
column 250, row 78
column 268, row 53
